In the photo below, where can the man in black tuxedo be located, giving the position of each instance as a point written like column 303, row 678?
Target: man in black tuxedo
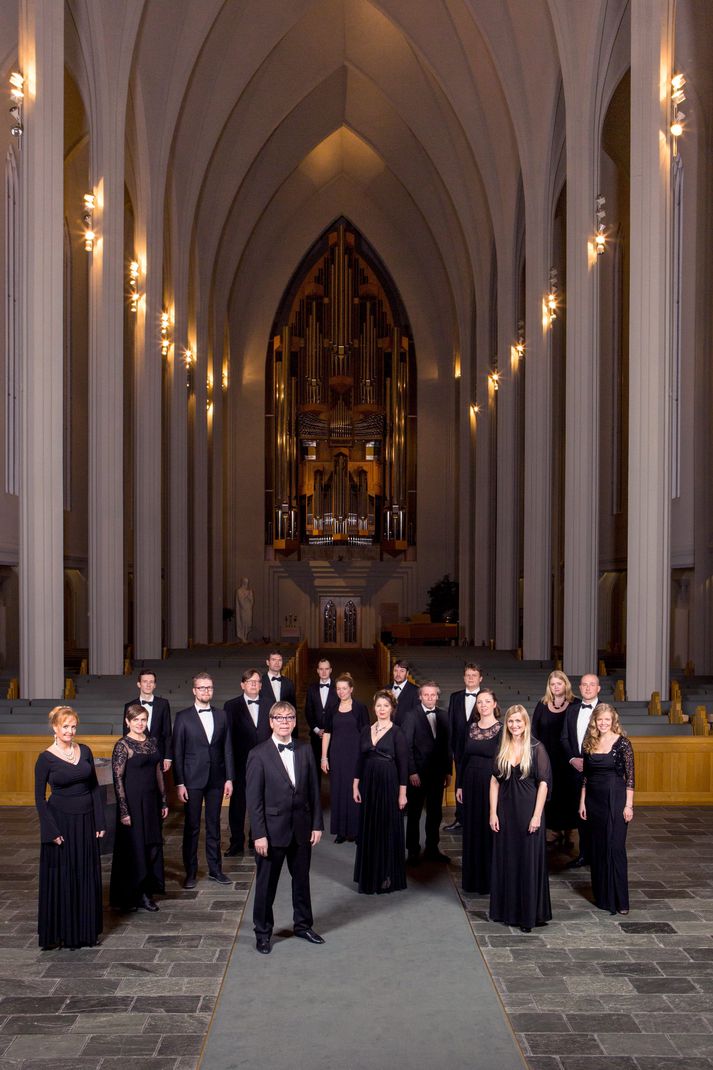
column 275, row 686
column 405, row 693
column 430, row 761
column 286, row 819
column 461, row 711
column 159, row 715
column 321, row 697
column 574, row 729
column 249, row 720
column 203, row 771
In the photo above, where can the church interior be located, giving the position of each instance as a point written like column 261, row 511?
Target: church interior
column 339, row 324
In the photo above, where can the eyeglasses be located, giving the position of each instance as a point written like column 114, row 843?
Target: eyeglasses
column 204, row 687
column 280, row 717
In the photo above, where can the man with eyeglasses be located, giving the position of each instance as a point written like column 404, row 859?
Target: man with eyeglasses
column 286, row 821
column 203, row 771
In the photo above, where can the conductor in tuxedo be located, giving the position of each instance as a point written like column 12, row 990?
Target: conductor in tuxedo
column 275, row 686
column 574, row 729
column 203, row 772
column 159, row 715
column 321, row 698
column 430, row 761
column 286, row 819
column 461, row 709
column 405, row 693
column 249, row 720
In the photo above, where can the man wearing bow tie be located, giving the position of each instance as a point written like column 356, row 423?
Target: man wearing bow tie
column 286, row 819
column 321, row 698
column 249, row 718
column 574, row 729
column 159, row 715
column 203, row 772
column 405, row 693
column 461, row 710
column 430, row 761
column 275, row 686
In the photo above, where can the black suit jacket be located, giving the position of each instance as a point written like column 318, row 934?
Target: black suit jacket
column 278, row 810
column 429, row 757
column 568, row 736
column 197, row 763
column 457, row 724
column 287, row 690
column 408, row 698
column 244, row 734
column 160, row 725
column 314, row 711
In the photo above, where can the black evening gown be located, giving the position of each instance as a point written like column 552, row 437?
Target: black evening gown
column 70, row 899
column 519, row 886
column 607, row 776
column 481, row 746
column 137, row 865
column 547, row 727
column 344, row 729
column 380, row 866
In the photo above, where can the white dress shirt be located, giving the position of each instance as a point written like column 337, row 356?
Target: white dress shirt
column 206, row 716
column 431, row 718
column 288, row 759
column 583, row 719
column 470, row 698
column 324, row 692
column 253, row 706
column 149, row 714
column 276, row 686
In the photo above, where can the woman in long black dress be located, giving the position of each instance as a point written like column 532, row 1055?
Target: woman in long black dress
column 71, row 825
column 137, row 865
column 607, row 805
column 519, row 885
column 340, row 751
column 547, row 720
column 473, row 791
column 379, row 790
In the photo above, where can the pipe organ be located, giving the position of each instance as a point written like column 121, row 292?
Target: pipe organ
column 340, row 406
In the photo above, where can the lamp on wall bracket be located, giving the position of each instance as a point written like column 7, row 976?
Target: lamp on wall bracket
column 189, row 359
column 551, row 300
column 165, row 332
column 17, row 96
column 134, row 291
column 519, row 346
column 494, row 379
column 600, row 215
column 225, row 378
column 678, row 95
column 88, row 221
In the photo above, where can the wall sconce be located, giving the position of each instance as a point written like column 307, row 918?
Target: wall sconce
column 225, row 378
column 520, row 344
column 189, row 359
column 134, row 294
column 165, row 333
column 678, row 96
column 17, row 95
column 88, row 221
column 549, row 303
column 600, row 237
column 474, row 408
column 494, row 379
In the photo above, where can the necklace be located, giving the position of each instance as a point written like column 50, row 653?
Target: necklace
column 67, row 754
column 381, row 727
column 562, row 703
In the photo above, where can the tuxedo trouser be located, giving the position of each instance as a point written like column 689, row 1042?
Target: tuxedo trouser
column 237, row 810
column 429, row 793
column 213, row 798
column 459, row 806
column 298, row 858
column 316, row 742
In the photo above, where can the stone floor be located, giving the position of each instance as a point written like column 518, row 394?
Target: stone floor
column 589, row 992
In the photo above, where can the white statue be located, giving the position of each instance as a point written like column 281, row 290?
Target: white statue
column 244, row 602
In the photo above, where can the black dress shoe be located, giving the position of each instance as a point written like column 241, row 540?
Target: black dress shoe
column 455, row 826
column 309, row 935
column 146, row 903
column 190, row 882
column 524, row 929
column 263, row 945
column 435, row 856
column 219, row 878
column 233, row 851
column 577, row 863
column 339, row 839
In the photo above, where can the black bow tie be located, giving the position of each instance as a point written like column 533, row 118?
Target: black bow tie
column 587, row 706
column 145, row 702
column 397, row 687
column 432, row 710
column 285, row 746
column 204, row 709
column 325, row 685
column 253, row 702
column 471, row 693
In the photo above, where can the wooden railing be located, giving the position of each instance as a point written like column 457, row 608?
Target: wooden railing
column 297, row 667
column 383, row 663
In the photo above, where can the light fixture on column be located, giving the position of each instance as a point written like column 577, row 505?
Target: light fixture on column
column 474, row 408
column 549, row 302
column 189, row 359
column 600, row 236
column 225, row 378
column 519, row 346
column 165, row 333
column 678, row 83
column 134, row 292
column 209, row 394
column 88, row 221
column 17, row 95
column 494, row 379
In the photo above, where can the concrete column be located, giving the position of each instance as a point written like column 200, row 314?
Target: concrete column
column 537, row 519
column 178, row 473
column 219, row 597
column 581, row 480
column 649, row 539
column 466, row 424
column 508, row 511
column 147, row 445
column 200, row 515
column 484, row 504
column 41, row 61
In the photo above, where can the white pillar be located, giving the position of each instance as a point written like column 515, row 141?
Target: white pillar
column 537, row 519
column 41, row 56
column 178, row 473
column 465, row 397
column 218, row 597
column 508, row 511
column 649, row 537
column 483, row 521
column 201, row 514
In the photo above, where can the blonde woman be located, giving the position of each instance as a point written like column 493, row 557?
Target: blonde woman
column 547, row 722
column 71, row 825
column 340, row 753
column 607, row 805
column 519, row 786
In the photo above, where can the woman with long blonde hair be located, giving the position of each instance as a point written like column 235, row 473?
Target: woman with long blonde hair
column 547, row 722
column 519, row 786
